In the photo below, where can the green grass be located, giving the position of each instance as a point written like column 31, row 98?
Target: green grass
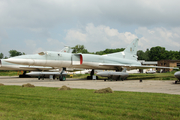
column 8, row 73
column 156, row 76
column 42, row 103
column 81, row 76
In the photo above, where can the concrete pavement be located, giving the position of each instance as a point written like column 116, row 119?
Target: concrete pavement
column 154, row 86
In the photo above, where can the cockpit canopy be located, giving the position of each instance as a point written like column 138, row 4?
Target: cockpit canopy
column 43, row 53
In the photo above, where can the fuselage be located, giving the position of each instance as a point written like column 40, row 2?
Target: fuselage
column 59, row 60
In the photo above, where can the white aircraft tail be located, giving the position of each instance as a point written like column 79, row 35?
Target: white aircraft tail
column 129, row 53
column 131, row 50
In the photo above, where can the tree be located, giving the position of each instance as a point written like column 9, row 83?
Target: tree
column 108, row 51
column 15, row 53
column 1, row 55
column 140, row 55
column 147, row 55
column 143, row 55
column 157, row 53
column 79, row 49
column 5, row 57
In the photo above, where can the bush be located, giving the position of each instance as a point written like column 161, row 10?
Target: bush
column 64, row 88
column 105, row 90
column 28, row 85
column 1, row 84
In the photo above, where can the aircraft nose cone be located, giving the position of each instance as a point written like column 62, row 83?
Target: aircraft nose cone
column 20, row 61
column 177, row 74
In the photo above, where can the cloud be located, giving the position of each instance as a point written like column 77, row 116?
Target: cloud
column 51, row 24
column 159, row 37
column 98, row 38
column 38, row 50
column 30, row 43
column 55, row 44
column 75, row 35
column 50, row 44
column 47, row 14
column 3, row 34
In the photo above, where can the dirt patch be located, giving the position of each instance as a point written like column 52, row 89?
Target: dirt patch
column 64, row 88
column 1, row 84
column 105, row 90
column 28, row 85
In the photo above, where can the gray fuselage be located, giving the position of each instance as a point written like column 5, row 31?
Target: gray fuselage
column 86, row 61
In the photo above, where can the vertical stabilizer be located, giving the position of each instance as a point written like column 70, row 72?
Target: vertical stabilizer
column 129, row 53
column 132, row 48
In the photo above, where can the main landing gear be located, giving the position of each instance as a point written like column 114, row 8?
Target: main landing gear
column 92, row 77
column 24, row 75
column 177, row 81
column 62, row 76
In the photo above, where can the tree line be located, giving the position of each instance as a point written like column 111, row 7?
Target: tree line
column 154, row 54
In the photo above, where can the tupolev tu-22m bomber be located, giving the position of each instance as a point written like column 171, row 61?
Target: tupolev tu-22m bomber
column 116, row 61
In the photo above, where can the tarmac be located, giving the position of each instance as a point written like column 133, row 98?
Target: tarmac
column 152, row 86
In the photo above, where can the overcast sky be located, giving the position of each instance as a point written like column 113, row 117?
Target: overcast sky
column 33, row 26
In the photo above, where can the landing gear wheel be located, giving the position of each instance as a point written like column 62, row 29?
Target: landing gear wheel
column 105, row 80
column 53, row 77
column 175, row 82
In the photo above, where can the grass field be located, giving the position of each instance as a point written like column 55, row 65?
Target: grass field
column 41, row 103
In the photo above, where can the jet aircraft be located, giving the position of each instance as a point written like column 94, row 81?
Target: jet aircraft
column 177, row 75
column 115, row 61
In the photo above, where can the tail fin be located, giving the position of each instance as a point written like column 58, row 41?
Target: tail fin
column 129, row 53
column 66, row 49
column 132, row 48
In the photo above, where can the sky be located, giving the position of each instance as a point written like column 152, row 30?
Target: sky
column 33, row 26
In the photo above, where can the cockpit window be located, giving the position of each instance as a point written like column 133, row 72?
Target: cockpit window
column 41, row 53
